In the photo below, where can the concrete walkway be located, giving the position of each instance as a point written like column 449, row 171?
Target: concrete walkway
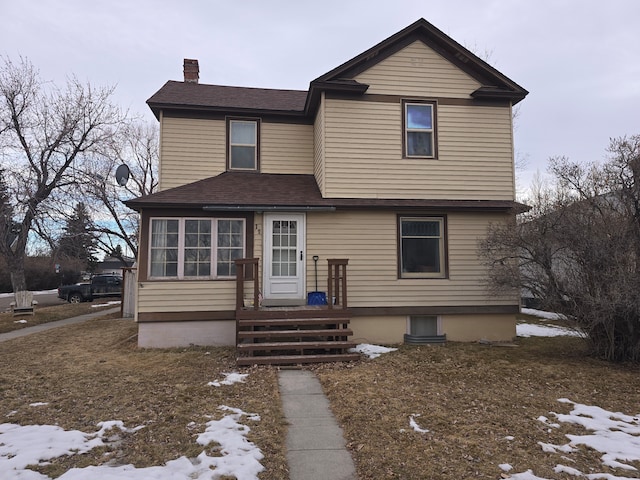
column 315, row 445
column 22, row 332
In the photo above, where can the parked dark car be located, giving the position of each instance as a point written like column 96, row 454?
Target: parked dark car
column 100, row 286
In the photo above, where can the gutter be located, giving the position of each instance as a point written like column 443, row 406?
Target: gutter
column 267, row 208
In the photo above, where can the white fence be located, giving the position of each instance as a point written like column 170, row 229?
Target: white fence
column 129, row 278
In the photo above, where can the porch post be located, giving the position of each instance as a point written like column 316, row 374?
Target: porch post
column 337, row 277
column 241, row 263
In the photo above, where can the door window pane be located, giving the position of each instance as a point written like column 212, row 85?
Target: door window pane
column 284, row 252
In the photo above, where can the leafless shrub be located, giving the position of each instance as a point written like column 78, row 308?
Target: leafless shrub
column 578, row 249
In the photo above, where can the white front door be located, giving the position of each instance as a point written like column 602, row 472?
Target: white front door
column 284, row 253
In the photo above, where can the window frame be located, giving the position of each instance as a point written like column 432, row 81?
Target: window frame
column 213, row 256
column 443, row 248
column 406, row 130
column 230, row 121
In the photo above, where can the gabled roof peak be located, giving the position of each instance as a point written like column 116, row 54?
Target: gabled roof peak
column 421, row 30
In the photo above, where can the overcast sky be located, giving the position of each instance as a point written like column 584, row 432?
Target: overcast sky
column 579, row 59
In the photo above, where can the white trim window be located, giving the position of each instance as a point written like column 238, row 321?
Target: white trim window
column 195, row 248
column 422, row 247
column 243, row 145
column 419, row 123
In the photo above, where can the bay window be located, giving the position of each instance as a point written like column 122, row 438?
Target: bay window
column 195, row 247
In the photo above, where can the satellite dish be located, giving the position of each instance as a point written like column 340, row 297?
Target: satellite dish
column 122, row 175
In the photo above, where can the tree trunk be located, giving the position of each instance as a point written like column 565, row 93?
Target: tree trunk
column 16, row 268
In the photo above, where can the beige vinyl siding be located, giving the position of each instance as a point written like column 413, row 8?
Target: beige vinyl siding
column 363, row 153
column 417, row 70
column 319, row 146
column 192, row 149
column 186, row 296
column 286, row 148
column 369, row 241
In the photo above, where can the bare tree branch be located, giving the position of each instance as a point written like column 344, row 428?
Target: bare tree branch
column 578, row 249
column 48, row 133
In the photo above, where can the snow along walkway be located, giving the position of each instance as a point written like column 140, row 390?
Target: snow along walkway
column 59, row 323
column 315, row 445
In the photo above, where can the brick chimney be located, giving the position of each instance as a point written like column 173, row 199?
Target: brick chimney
column 191, row 71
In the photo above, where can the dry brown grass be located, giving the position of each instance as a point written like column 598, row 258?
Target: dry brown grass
column 471, row 397
column 8, row 322
column 93, row 372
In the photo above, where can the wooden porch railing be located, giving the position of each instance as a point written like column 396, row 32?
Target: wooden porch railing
column 241, row 265
column 337, row 283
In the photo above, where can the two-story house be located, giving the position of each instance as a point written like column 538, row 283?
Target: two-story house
column 370, row 189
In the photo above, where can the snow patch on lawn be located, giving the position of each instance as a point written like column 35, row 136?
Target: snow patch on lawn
column 543, row 314
column 413, row 424
column 615, row 435
column 229, row 379
column 372, row 351
column 108, row 304
column 41, row 292
column 530, row 330
column 37, row 444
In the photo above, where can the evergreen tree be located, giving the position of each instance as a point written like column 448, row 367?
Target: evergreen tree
column 78, row 241
column 117, row 252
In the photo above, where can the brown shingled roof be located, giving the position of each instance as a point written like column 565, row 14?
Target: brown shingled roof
column 217, row 97
column 255, row 191
column 262, row 101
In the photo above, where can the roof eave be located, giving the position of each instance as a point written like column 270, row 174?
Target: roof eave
column 316, row 87
column 487, row 93
column 340, row 204
column 157, row 107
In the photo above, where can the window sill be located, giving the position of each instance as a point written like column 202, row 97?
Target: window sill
column 423, row 277
column 189, row 279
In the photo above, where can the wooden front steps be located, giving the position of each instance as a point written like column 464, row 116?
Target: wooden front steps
column 264, row 339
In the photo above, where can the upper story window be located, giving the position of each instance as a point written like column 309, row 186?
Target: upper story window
column 242, row 141
column 195, row 247
column 422, row 247
column 419, row 120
